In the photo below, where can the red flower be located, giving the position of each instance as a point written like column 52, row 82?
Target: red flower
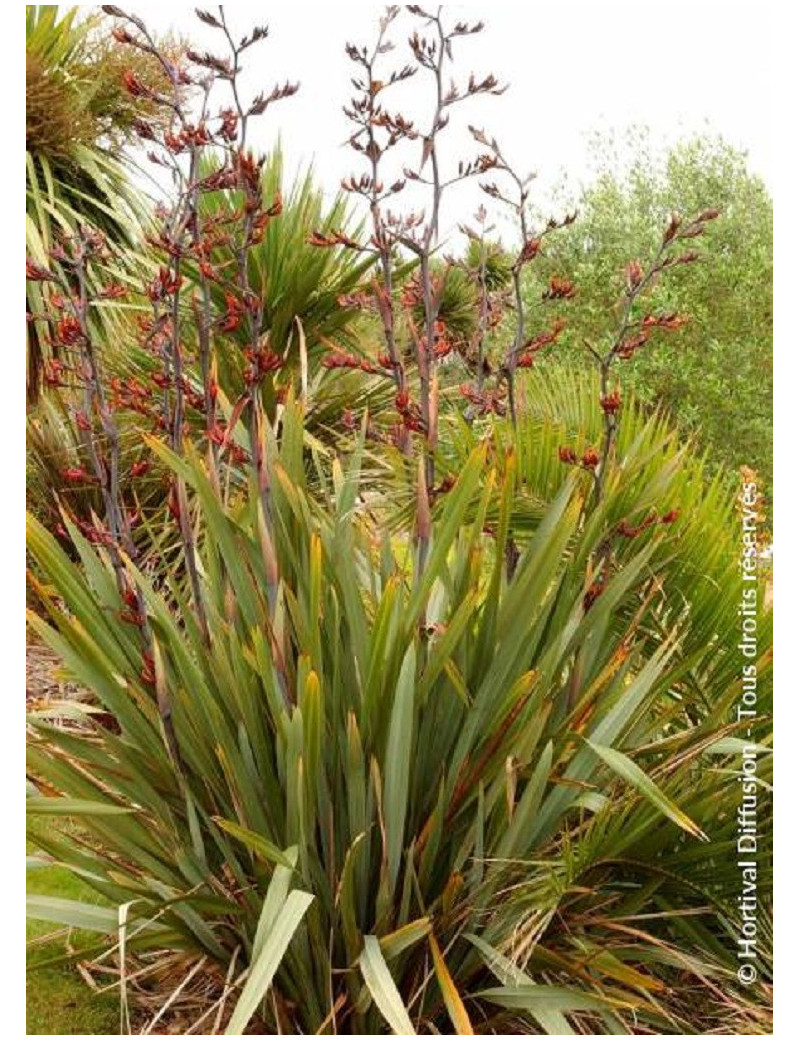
column 148, row 672
column 133, row 85
column 164, row 284
column 143, row 129
column 634, row 274
column 626, row 530
column 545, row 338
column 233, row 316
column 447, row 484
column 590, row 458
column 559, row 289
column 217, row 434
column 443, row 347
column 591, row 594
column 628, row 347
column 175, row 144
column 35, row 273
column 261, row 362
column 114, row 291
column 665, row 321
column 567, row 455
column 237, row 454
column 132, row 617
column 53, row 373
column 530, row 250
column 173, row 503
column 138, row 469
column 228, row 126
column 339, row 359
column 68, row 331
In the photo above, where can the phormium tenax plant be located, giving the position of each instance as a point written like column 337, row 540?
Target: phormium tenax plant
column 418, row 727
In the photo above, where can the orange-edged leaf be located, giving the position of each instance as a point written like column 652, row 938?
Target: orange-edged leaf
column 452, row 1000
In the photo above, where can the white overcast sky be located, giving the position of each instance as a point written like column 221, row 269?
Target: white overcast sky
column 573, row 68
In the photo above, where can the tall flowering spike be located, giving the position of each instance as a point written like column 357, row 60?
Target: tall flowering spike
column 433, row 426
column 635, row 329
column 268, row 556
column 423, row 513
column 519, row 353
column 183, row 319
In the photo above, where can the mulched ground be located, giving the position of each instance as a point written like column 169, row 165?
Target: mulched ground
column 43, row 683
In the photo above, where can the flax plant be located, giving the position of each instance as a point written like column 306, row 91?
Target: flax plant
column 371, row 774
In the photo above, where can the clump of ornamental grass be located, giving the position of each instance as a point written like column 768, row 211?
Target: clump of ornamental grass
column 342, row 797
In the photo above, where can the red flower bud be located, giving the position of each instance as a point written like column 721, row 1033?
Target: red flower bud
column 36, row 273
column 634, row 274
column 591, row 594
column 148, row 672
column 230, row 322
column 611, row 402
column 114, row 291
column 68, row 331
column 559, row 289
column 134, row 87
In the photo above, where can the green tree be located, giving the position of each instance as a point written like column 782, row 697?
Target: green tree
column 715, row 377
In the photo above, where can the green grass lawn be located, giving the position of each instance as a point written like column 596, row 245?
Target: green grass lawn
column 58, row 1000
